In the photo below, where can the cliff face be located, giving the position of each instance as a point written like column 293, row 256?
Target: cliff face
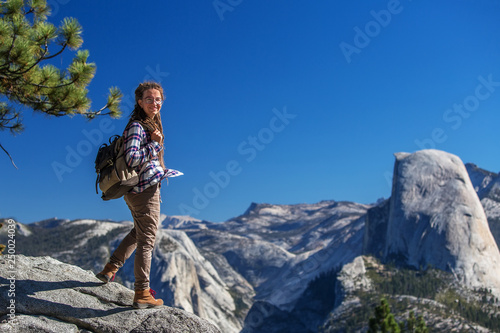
column 436, row 218
column 189, row 281
column 46, row 295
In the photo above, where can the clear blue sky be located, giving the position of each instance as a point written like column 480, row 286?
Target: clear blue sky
column 278, row 102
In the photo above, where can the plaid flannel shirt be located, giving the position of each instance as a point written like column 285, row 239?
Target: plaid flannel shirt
column 140, row 149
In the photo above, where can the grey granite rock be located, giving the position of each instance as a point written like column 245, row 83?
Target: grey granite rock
column 51, row 296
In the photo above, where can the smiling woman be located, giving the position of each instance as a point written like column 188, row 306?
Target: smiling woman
column 151, row 102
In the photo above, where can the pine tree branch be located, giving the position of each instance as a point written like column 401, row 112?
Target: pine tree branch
column 11, row 160
column 53, row 87
column 10, row 49
column 58, row 53
column 40, row 59
column 7, row 120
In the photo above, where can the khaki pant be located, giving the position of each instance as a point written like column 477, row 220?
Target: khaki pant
column 145, row 209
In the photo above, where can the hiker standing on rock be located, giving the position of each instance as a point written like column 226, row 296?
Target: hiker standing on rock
column 144, row 151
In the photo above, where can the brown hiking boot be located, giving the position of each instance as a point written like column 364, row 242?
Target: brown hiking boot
column 108, row 273
column 144, row 299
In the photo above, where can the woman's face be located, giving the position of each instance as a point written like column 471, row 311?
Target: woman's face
column 151, row 102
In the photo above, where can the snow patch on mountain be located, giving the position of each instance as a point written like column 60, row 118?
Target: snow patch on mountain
column 491, row 207
column 97, row 228
column 181, row 222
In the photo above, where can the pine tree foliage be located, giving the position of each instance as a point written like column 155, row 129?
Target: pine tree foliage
column 385, row 322
column 414, row 325
column 27, row 78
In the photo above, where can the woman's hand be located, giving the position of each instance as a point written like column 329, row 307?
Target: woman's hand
column 156, row 136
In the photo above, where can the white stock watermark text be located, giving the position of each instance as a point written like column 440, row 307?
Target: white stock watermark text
column 248, row 149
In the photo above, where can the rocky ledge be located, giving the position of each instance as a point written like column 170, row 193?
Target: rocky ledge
column 41, row 294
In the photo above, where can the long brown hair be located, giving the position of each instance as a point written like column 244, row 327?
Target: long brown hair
column 138, row 114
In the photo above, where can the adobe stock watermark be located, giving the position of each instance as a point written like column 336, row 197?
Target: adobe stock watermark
column 363, row 36
column 248, row 149
column 11, row 269
column 75, row 155
column 55, row 5
column 455, row 115
column 93, row 138
column 222, row 6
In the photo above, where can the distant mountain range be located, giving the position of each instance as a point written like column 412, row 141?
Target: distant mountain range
column 432, row 247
